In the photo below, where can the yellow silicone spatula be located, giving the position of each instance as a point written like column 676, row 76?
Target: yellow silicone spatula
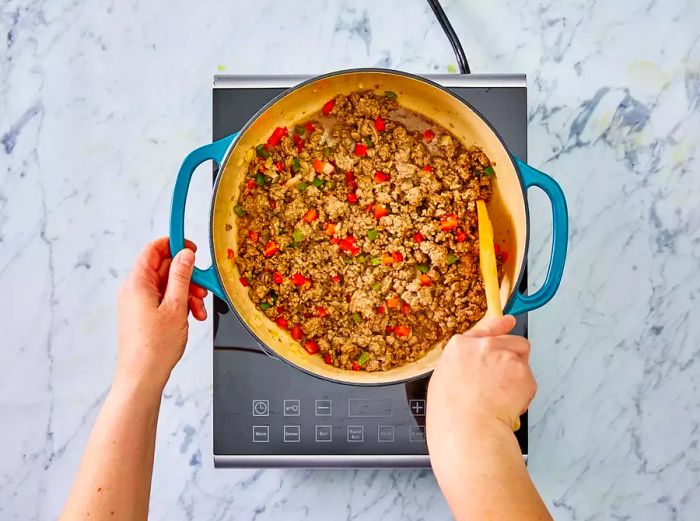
column 487, row 261
column 489, row 270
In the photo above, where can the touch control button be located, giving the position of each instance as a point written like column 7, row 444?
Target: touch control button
column 417, row 433
column 292, row 433
column 324, row 433
column 417, row 407
column 261, row 407
column 385, row 433
column 356, row 433
column 324, row 407
column 261, row 433
column 292, row 408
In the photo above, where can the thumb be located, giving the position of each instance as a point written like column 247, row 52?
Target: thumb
column 493, row 327
column 179, row 276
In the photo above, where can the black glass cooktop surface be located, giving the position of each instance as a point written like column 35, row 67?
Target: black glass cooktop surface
column 269, row 414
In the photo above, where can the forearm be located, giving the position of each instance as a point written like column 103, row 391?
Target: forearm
column 114, row 479
column 483, row 476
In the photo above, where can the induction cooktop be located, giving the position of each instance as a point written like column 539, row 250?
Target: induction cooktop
column 269, row 414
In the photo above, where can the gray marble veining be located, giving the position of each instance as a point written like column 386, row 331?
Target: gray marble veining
column 100, row 101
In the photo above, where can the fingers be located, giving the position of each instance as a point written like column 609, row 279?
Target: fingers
column 197, row 308
column 163, row 274
column 516, row 344
column 198, row 291
column 180, row 274
column 493, row 327
column 195, row 290
column 154, row 253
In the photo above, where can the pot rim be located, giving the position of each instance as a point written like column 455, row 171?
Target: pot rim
column 268, row 350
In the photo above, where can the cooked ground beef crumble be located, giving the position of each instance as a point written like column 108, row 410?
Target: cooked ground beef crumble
column 357, row 232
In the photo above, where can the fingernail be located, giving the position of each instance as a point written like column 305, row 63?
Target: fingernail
column 186, row 257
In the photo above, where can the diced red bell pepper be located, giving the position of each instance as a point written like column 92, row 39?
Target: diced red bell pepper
column 321, row 311
column 279, row 166
column 281, row 309
column 262, row 167
column 461, row 236
column 311, row 347
column 335, row 240
column 428, row 168
column 389, row 330
column 405, row 308
column 380, row 310
column 271, row 248
column 350, row 180
column 397, row 256
column 380, row 177
column 298, row 279
column 418, row 237
column 428, row 135
column 244, row 282
column 370, row 207
column 449, row 222
column 379, row 124
column 299, row 143
column 335, row 279
column 348, row 245
column 311, row 215
column 281, row 322
column 297, row 332
column 277, row 135
column 230, row 254
column 309, row 127
column 328, row 106
column 402, row 330
column 250, row 184
column 253, row 235
column 379, row 211
column 350, row 240
column 360, row 150
column 329, row 229
column 355, row 366
column 352, row 198
column 277, row 277
column 327, row 358
column 425, row 280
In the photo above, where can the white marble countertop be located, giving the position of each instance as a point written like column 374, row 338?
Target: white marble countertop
column 100, row 101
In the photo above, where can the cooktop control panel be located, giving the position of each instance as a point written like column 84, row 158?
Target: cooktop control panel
column 294, row 413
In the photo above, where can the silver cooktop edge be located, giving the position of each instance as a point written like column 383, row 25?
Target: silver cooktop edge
column 231, row 81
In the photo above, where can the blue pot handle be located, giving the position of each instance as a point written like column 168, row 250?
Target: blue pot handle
column 560, row 235
column 215, row 151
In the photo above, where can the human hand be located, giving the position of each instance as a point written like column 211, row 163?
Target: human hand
column 153, row 309
column 483, row 377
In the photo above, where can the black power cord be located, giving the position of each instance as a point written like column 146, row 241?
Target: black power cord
column 462, row 62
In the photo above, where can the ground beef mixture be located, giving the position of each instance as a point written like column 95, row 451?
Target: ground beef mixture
column 358, row 232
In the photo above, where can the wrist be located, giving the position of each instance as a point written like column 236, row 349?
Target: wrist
column 469, row 425
column 149, row 383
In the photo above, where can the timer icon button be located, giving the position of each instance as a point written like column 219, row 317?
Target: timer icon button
column 261, row 407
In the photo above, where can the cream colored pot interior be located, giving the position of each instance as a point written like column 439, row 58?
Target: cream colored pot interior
column 507, row 209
